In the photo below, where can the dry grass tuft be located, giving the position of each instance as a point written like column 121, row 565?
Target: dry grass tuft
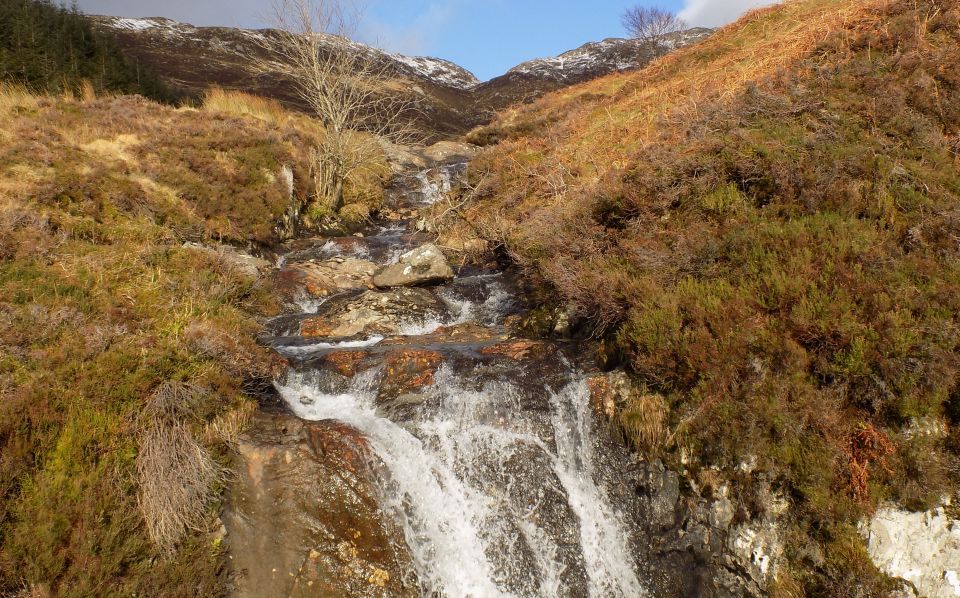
column 228, row 427
column 178, row 477
column 87, row 92
column 645, row 423
column 14, row 96
column 238, row 103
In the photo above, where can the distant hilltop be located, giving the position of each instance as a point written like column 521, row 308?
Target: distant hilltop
column 191, row 59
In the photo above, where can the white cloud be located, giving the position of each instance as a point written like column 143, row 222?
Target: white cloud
column 414, row 38
column 713, row 13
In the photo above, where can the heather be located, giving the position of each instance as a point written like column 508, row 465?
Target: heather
column 763, row 229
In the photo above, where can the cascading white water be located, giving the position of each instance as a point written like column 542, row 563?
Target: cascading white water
column 603, row 539
column 433, row 189
column 444, row 482
column 441, row 512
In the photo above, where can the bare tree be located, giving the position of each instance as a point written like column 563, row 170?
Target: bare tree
column 342, row 82
column 651, row 25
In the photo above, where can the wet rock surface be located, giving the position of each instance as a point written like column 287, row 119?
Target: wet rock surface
column 303, row 516
column 326, row 278
column 374, row 313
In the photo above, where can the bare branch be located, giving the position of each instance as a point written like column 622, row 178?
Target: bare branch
column 651, row 25
column 345, row 85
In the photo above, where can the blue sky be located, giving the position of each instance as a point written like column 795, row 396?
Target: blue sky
column 491, row 36
column 486, row 36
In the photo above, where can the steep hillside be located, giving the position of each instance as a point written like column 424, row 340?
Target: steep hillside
column 126, row 329
column 764, row 229
column 191, row 59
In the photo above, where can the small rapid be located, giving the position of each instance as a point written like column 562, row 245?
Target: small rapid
column 494, row 467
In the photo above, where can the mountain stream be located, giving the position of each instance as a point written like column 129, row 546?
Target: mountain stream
column 487, row 456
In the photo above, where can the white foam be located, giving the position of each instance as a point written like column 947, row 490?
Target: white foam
column 294, row 351
column 423, row 328
column 465, row 311
column 602, row 532
column 440, row 513
column 441, row 483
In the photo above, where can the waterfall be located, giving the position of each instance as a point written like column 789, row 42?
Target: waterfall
column 447, row 482
column 491, row 469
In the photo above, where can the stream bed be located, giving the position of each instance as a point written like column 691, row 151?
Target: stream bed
column 423, row 447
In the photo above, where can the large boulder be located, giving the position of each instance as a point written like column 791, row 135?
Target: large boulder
column 303, row 520
column 446, row 152
column 424, row 265
column 326, row 278
column 375, row 313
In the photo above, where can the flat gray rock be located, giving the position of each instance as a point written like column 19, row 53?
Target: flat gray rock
column 423, row 266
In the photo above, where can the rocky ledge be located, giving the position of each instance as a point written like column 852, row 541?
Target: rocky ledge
column 302, row 516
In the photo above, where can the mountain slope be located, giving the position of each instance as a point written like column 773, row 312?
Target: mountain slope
column 191, row 59
column 764, row 229
column 534, row 78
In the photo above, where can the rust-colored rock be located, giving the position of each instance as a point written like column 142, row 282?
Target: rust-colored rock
column 602, row 396
column 409, row 370
column 303, row 519
column 459, row 333
column 323, row 279
column 316, row 328
column 518, row 350
column 347, row 363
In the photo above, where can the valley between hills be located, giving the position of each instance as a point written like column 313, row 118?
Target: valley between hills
column 644, row 319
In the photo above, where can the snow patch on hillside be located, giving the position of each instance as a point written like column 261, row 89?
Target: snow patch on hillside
column 438, row 71
column 613, row 54
column 442, row 72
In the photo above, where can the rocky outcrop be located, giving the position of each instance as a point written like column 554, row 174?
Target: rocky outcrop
column 610, row 393
column 450, row 152
column 422, row 266
column 701, row 542
column 374, row 313
column 303, row 520
column 233, row 259
column 920, row 548
column 702, row 546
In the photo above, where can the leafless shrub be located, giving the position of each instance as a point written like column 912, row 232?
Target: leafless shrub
column 343, row 83
column 99, row 337
column 651, row 25
column 209, row 340
column 177, row 476
column 16, row 217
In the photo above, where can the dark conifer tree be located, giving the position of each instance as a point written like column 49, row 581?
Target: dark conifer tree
column 52, row 48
